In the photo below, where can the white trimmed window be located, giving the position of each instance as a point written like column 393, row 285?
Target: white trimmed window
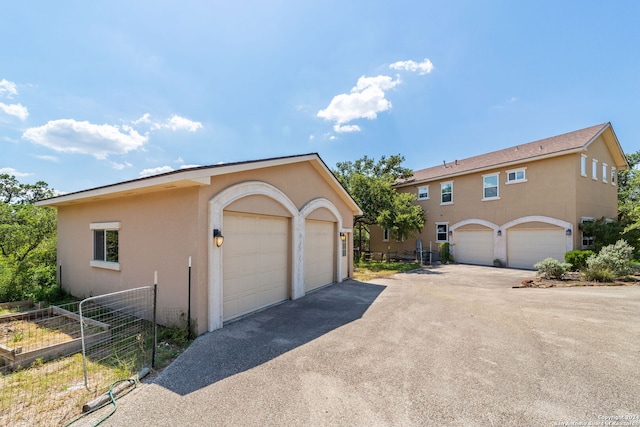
column 446, row 193
column 587, row 239
column 490, row 187
column 516, row 175
column 594, row 169
column 583, row 165
column 605, row 172
column 344, row 247
column 442, row 231
column 105, row 245
column 614, row 175
column 423, row 192
column 385, row 235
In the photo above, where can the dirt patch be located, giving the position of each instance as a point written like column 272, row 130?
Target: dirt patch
column 574, row 279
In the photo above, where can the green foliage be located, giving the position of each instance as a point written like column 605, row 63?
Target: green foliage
column 552, row 268
column 612, row 261
column 27, row 241
column 578, row 258
column 599, row 275
column 629, row 201
column 370, row 183
column 444, row 250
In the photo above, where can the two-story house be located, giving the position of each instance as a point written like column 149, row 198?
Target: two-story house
column 520, row 205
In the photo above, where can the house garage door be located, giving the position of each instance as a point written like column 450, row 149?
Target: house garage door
column 319, row 254
column 255, row 257
column 527, row 247
column 474, row 247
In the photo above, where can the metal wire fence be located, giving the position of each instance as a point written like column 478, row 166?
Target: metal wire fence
column 56, row 359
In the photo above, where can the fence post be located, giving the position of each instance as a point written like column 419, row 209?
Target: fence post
column 155, row 327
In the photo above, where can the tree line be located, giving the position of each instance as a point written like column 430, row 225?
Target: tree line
column 27, row 242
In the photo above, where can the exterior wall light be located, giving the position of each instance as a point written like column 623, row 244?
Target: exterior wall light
column 499, row 232
column 568, row 232
column 218, row 238
column 343, row 236
column 450, row 232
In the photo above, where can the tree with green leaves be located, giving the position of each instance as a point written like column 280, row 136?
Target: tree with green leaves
column 370, row 183
column 27, row 240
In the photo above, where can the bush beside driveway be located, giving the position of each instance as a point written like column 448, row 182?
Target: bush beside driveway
column 452, row 345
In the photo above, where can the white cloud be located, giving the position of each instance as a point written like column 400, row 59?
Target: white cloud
column 346, row 128
column 7, row 88
column 366, row 100
column 189, row 166
column 155, row 171
column 49, row 158
column 17, row 110
column 181, row 123
column 12, row 171
column 71, row 136
column 424, row 67
column 174, row 123
column 120, row 166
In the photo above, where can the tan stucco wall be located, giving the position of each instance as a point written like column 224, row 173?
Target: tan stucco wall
column 554, row 188
column 161, row 230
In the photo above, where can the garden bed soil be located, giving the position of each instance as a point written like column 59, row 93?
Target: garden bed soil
column 574, row 279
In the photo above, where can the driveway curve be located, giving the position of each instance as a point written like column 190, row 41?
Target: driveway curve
column 449, row 345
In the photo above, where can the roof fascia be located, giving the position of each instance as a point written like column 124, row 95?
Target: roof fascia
column 613, row 144
column 490, row 167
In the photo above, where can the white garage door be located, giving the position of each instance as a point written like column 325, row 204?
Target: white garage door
column 474, row 247
column 319, row 253
column 527, row 247
column 255, row 256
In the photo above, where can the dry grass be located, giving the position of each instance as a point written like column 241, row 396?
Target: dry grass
column 31, row 335
column 366, row 271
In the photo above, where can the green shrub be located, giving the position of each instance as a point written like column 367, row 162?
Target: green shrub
column 613, row 260
column 444, row 250
column 552, row 268
column 578, row 258
column 599, row 275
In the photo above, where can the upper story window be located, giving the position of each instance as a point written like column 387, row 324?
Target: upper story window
column 385, row 235
column 516, row 175
column 594, row 169
column 446, row 193
column 605, row 172
column 105, row 245
column 423, row 192
column 490, row 187
column 614, row 175
column 442, row 231
column 583, row 165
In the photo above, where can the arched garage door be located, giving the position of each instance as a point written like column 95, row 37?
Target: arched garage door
column 526, row 247
column 319, row 253
column 474, row 247
column 255, row 263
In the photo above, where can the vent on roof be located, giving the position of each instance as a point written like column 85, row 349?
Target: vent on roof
column 541, row 147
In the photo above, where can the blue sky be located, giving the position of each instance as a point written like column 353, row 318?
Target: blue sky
column 97, row 92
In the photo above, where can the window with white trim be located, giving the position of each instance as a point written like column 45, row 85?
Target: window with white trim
column 516, row 175
column 614, row 175
column 446, row 193
column 442, row 231
column 587, row 237
column 423, row 192
column 344, row 247
column 583, row 165
column 594, row 169
column 490, row 187
column 605, row 170
column 105, row 245
column 385, row 235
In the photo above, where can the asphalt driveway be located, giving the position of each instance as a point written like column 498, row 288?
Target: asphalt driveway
column 453, row 345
